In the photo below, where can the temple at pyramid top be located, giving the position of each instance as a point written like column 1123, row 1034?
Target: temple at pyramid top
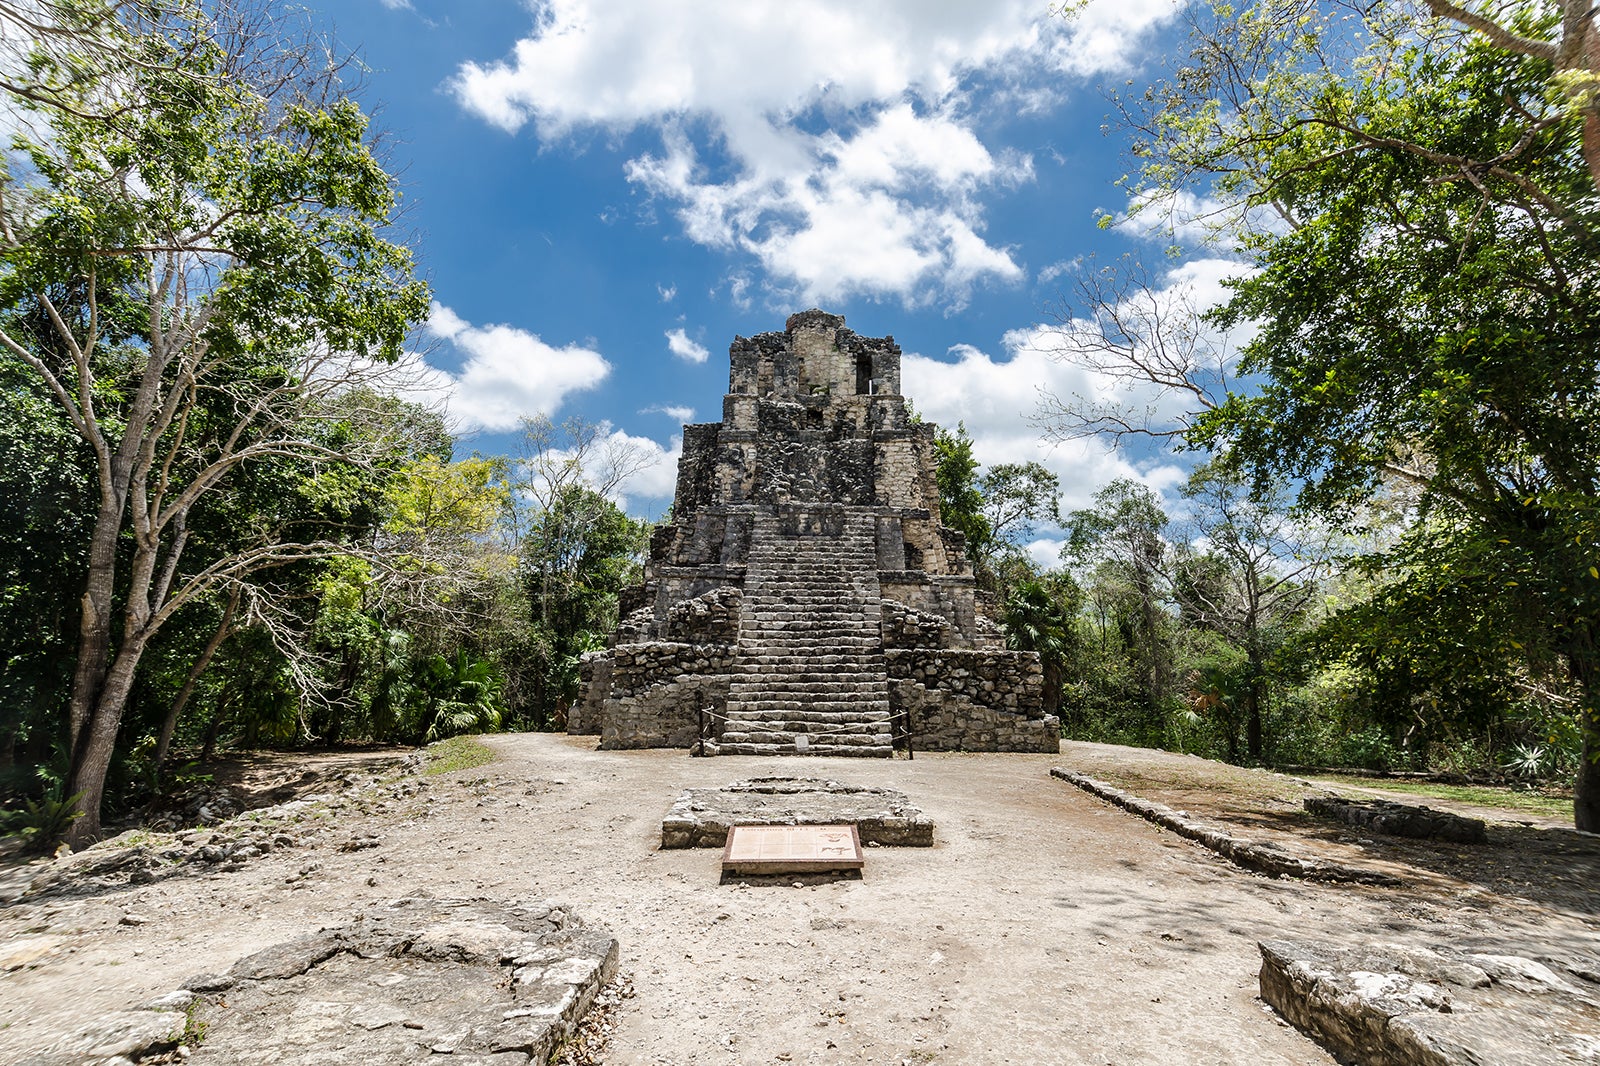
column 804, row 596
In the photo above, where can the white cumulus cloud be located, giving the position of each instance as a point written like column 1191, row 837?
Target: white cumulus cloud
column 679, row 344
column 508, row 372
column 677, row 414
column 833, row 143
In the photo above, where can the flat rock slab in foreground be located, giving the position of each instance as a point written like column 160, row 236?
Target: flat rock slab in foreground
column 701, row 816
column 1400, row 819
column 1388, row 1005
column 480, row 981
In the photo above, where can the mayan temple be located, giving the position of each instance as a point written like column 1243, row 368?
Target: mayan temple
column 804, row 597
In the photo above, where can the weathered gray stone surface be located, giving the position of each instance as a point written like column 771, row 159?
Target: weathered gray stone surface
column 1400, row 819
column 477, row 980
column 1252, row 855
column 805, row 552
column 701, row 817
column 1388, row 1005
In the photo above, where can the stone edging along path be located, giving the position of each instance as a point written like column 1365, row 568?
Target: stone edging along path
column 1262, row 858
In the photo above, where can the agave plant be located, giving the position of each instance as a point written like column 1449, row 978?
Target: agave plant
column 1529, row 761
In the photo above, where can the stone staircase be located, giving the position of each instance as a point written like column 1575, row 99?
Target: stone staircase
column 808, row 675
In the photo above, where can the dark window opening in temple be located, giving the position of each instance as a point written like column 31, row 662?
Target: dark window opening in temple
column 863, row 374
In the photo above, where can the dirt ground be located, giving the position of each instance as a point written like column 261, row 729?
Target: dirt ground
column 1043, row 927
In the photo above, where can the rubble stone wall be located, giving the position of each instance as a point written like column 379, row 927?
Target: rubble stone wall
column 957, row 699
column 657, row 689
column 594, row 677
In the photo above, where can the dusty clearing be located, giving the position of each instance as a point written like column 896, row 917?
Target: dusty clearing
column 1042, row 927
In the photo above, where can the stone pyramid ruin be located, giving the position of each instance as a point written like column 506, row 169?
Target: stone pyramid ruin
column 804, row 597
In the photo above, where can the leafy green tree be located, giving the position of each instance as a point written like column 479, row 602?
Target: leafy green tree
column 1121, row 540
column 578, row 555
column 960, row 501
column 1417, row 199
column 1253, row 584
column 1041, row 616
column 199, row 245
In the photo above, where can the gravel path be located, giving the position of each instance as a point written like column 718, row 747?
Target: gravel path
column 1043, row 926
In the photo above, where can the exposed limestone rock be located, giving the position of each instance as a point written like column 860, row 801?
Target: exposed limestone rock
column 476, row 980
column 1387, row 1005
column 804, row 556
column 701, row 817
column 1400, row 819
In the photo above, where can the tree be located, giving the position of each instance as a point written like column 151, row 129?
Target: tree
column 1255, row 581
column 193, row 267
column 1154, row 364
column 960, row 502
column 1426, row 298
column 1017, row 499
column 1040, row 615
column 1122, row 539
column 580, row 553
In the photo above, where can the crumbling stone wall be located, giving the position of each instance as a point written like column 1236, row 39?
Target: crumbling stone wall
column 657, row 690
column 969, row 699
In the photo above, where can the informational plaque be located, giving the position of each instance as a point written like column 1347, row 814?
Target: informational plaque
column 791, row 849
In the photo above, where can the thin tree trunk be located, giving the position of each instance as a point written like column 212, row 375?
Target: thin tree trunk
column 224, row 630
column 1253, row 739
column 1586, row 790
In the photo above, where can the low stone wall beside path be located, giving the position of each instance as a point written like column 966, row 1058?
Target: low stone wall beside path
column 1262, row 858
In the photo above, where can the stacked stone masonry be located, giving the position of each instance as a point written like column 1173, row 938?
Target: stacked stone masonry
column 805, row 597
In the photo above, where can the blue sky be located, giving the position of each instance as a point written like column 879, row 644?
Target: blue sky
column 603, row 193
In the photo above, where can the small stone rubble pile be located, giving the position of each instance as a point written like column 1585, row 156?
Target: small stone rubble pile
column 1400, row 819
column 701, row 817
column 479, row 981
column 1388, row 1005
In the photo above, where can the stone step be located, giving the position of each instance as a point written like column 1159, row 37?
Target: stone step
column 756, row 677
column 803, row 670
column 812, row 721
column 767, row 663
column 834, row 708
column 775, row 736
column 877, row 751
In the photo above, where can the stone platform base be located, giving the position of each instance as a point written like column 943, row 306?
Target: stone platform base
column 701, row 816
column 1387, row 1005
column 479, row 981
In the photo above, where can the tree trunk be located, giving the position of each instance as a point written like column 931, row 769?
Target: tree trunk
column 1586, row 793
column 189, row 683
column 1253, row 739
column 1052, row 685
column 98, row 740
column 1586, row 790
column 94, row 625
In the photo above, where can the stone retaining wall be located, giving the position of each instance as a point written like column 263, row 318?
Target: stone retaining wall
column 658, row 688
column 1400, row 819
column 970, row 700
column 1000, row 680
